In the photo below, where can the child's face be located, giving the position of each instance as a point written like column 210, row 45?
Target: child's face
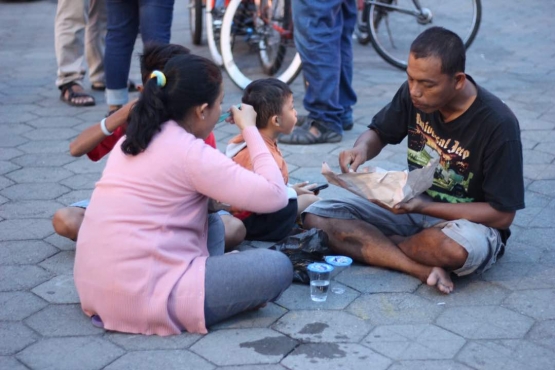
column 288, row 117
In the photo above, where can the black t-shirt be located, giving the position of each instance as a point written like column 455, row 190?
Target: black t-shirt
column 480, row 153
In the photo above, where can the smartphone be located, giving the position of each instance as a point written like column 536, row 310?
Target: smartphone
column 319, row 187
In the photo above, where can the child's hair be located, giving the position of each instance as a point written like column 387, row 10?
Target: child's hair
column 155, row 56
column 191, row 81
column 267, row 97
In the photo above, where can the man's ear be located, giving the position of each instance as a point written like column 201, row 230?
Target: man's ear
column 460, row 79
column 200, row 110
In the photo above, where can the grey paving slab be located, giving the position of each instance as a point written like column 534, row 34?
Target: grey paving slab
column 81, row 181
column 5, row 182
column 297, row 297
column 543, row 333
column 14, row 336
column 84, row 165
column 429, row 365
column 11, row 363
column 485, row 322
column 507, row 355
column 60, row 242
column 247, row 347
column 534, row 303
column 323, row 326
column 135, row 342
column 61, row 321
column 468, row 292
column 414, row 342
column 17, row 306
column 75, row 196
column 56, row 122
column 395, row 308
column 34, row 191
column 168, row 359
column 253, row 367
column 9, row 153
column 261, row 318
column 39, row 174
column 70, row 353
column 13, row 278
column 25, row 252
column 41, row 134
column 43, row 159
column 30, row 209
column 332, row 356
column 61, row 263
column 60, row 289
column 7, row 167
column 376, row 280
column 46, row 147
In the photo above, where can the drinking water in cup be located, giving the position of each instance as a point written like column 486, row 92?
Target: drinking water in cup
column 339, row 264
column 320, row 274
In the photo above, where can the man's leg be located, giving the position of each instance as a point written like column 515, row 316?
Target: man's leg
column 69, row 30
column 347, row 96
column 95, row 41
column 123, row 27
column 156, row 20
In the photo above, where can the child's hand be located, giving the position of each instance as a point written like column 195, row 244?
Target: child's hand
column 303, row 188
column 244, row 117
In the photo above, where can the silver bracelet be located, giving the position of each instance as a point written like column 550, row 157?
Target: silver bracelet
column 103, row 128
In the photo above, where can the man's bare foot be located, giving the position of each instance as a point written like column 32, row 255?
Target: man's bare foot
column 441, row 280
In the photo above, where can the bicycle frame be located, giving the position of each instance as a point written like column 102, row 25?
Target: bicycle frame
column 397, row 8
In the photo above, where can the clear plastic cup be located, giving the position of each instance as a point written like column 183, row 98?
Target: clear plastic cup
column 339, row 264
column 320, row 275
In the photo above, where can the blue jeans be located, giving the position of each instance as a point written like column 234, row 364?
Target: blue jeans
column 323, row 37
column 154, row 17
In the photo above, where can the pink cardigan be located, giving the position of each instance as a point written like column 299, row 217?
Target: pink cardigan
column 141, row 252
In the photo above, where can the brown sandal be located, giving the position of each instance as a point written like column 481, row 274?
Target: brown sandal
column 73, row 96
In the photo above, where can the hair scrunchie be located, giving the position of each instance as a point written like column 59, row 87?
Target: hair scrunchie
column 160, row 78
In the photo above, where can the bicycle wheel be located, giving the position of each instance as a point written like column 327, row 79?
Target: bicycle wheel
column 392, row 31
column 213, row 29
column 195, row 21
column 257, row 41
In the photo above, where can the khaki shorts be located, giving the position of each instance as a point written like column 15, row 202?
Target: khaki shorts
column 482, row 243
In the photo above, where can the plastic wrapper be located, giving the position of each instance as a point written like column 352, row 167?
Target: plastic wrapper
column 386, row 188
column 303, row 248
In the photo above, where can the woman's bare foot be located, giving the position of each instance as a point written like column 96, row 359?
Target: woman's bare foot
column 441, row 280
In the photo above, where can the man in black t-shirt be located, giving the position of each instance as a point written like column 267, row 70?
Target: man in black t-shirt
column 462, row 223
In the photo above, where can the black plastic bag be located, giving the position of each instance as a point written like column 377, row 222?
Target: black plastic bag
column 304, row 247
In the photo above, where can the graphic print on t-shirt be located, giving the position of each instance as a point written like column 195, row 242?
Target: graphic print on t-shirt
column 451, row 178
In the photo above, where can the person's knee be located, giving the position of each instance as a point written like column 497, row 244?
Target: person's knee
column 314, row 221
column 455, row 254
column 66, row 223
column 235, row 232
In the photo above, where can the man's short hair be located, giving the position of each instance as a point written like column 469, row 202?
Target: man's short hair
column 443, row 44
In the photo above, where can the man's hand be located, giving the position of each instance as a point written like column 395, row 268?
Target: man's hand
column 303, row 188
column 414, row 205
column 351, row 159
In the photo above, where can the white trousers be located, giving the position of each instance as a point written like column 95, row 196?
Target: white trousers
column 79, row 33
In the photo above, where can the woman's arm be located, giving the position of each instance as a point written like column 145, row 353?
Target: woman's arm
column 93, row 135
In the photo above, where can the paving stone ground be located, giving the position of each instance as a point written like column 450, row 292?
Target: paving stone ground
column 504, row 319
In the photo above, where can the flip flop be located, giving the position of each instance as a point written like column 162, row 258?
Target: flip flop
column 73, row 96
column 303, row 136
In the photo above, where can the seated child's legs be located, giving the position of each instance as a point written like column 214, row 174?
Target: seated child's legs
column 235, row 231
column 67, row 221
column 304, row 200
column 272, row 226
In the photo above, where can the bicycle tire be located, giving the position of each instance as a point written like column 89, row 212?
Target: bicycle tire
column 213, row 33
column 467, row 32
column 271, row 48
column 239, row 74
column 195, row 21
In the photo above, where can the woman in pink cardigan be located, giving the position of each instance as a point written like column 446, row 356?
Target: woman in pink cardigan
column 145, row 262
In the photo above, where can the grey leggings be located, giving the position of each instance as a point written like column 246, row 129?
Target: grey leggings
column 237, row 282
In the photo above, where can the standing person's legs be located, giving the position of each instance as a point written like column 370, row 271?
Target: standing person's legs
column 95, row 41
column 123, row 27
column 318, row 27
column 237, row 282
column 347, row 96
column 69, row 30
column 156, row 20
